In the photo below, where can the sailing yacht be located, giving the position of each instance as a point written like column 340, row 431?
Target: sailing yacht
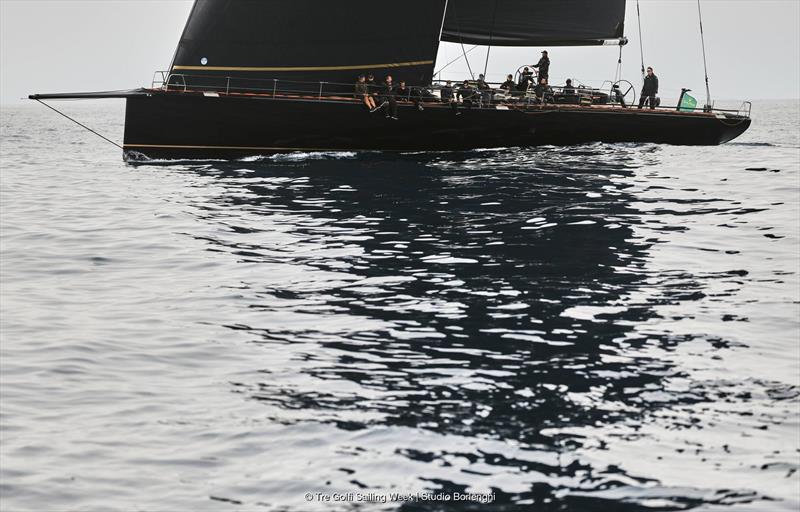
column 253, row 77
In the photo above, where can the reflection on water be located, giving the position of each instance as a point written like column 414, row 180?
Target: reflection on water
column 603, row 327
column 491, row 302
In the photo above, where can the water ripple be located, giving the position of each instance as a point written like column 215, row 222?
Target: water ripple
column 601, row 327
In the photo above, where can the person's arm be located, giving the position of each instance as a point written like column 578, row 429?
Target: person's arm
column 655, row 84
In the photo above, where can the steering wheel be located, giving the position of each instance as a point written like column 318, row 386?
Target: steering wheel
column 625, row 88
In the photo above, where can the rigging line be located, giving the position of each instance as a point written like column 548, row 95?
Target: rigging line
column 467, row 59
column 454, row 60
column 641, row 46
column 705, row 65
column 79, row 124
column 491, row 36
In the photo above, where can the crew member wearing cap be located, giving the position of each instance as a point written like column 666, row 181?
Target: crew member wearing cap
column 543, row 66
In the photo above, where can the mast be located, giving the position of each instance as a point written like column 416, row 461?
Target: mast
column 438, row 44
column 491, row 33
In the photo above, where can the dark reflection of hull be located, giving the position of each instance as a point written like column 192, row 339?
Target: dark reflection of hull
column 486, row 299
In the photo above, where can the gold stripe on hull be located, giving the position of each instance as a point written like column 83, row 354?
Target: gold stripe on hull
column 304, row 68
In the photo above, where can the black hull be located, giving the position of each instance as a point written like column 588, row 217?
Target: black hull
column 189, row 125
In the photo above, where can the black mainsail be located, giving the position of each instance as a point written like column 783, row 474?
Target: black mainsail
column 535, row 22
column 311, row 40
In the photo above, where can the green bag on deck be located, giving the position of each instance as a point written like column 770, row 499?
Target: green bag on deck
column 688, row 103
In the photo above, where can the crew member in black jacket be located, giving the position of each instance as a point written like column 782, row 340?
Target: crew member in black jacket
column 389, row 99
column 449, row 96
column 402, row 92
column 372, row 87
column 411, row 94
column 447, row 92
column 544, row 67
column 467, row 94
column 649, row 89
column 525, row 80
column 509, row 84
column 544, row 94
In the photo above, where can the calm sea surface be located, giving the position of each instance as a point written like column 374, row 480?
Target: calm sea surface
column 599, row 327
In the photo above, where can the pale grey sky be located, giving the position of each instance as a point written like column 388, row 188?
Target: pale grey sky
column 753, row 47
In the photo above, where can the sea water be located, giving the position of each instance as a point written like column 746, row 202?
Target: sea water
column 598, row 327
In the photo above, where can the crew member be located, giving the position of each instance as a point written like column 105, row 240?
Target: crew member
column 543, row 66
column 372, row 87
column 404, row 93
column 509, row 84
column 447, row 92
column 466, row 94
column 363, row 94
column 389, row 99
column 569, row 90
column 484, row 89
column 525, row 79
column 649, row 89
column 448, row 96
column 543, row 91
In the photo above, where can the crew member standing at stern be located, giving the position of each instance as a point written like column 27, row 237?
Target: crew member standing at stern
column 544, row 67
column 649, row 89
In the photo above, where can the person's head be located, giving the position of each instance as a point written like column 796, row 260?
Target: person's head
column 361, row 78
column 649, row 71
column 388, row 79
column 402, row 83
column 544, row 52
column 449, row 83
column 510, row 77
column 466, row 83
column 525, row 69
column 569, row 81
column 371, row 77
column 543, row 81
column 480, row 77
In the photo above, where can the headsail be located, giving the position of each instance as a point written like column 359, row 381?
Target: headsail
column 311, row 40
column 535, row 22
